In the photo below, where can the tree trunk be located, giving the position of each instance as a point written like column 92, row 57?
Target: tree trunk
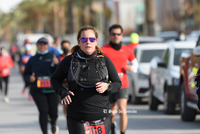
column 70, row 17
column 82, row 17
column 56, row 20
column 150, row 17
column 105, row 31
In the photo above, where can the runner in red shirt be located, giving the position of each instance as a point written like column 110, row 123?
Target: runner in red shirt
column 119, row 54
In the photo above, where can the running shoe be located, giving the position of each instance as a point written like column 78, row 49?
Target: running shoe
column 55, row 129
column 30, row 98
column 23, row 92
column 6, row 99
column 113, row 126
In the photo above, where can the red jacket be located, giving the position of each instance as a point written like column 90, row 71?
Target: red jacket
column 6, row 63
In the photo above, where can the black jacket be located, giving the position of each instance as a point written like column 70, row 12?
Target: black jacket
column 41, row 65
column 86, row 104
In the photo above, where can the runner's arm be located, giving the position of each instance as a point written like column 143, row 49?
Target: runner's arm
column 113, row 77
column 59, row 75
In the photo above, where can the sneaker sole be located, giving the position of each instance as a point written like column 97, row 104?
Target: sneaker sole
column 57, row 130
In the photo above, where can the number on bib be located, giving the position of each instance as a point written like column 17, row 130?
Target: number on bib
column 43, row 82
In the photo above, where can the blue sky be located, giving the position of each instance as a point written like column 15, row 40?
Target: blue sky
column 7, row 5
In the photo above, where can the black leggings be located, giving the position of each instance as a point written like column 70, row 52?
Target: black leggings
column 47, row 104
column 5, row 79
column 77, row 127
column 26, row 84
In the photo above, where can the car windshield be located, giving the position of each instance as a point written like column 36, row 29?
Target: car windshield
column 147, row 55
column 177, row 54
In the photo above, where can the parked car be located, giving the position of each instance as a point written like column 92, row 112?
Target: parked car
column 139, row 82
column 168, row 35
column 164, row 76
column 189, row 65
column 193, row 35
column 143, row 40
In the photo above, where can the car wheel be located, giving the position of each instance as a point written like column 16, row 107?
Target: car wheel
column 169, row 108
column 129, row 98
column 187, row 113
column 153, row 102
column 136, row 100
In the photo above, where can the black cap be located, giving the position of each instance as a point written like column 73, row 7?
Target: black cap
column 44, row 40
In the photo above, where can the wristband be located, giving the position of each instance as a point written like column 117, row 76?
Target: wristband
column 109, row 87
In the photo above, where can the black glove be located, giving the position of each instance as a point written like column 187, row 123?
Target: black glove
column 64, row 94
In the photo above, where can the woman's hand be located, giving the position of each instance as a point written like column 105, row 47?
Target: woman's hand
column 129, row 68
column 22, row 68
column 32, row 78
column 67, row 99
column 101, row 87
column 55, row 60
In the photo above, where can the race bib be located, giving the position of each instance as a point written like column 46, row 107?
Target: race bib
column 120, row 75
column 25, row 59
column 43, row 82
column 95, row 127
column 5, row 71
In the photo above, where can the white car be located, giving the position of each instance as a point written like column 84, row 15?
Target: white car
column 143, row 40
column 168, row 35
column 164, row 76
column 139, row 82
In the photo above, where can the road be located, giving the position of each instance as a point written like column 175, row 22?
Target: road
column 20, row 116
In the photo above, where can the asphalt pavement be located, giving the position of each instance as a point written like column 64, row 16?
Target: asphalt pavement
column 20, row 116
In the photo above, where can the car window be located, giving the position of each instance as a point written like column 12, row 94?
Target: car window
column 147, row 55
column 177, row 54
column 135, row 52
column 198, row 42
column 166, row 57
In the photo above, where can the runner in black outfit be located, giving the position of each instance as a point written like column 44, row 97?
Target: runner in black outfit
column 91, row 77
column 38, row 71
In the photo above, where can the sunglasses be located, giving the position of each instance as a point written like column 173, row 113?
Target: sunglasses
column 84, row 39
column 113, row 34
